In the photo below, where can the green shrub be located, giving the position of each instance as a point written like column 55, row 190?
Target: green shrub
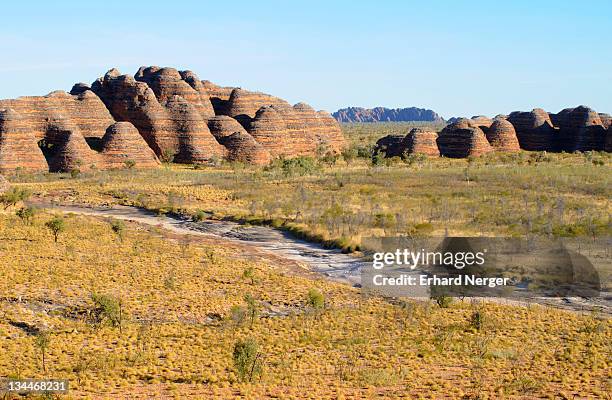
column 477, row 320
column 56, row 226
column 252, row 308
column 107, row 310
column 247, row 359
column 199, row 216
column 118, row 227
column 26, row 214
column 316, row 300
column 299, row 166
column 13, row 196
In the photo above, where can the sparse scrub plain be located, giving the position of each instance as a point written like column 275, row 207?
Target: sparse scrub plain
column 130, row 308
column 497, row 194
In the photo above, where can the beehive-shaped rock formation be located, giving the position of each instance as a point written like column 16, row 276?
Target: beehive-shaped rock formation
column 421, row 141
column 18, row 146
column 222, row 126
column 331, row 136
column 244, row 104
column 462, row 143
column 74, row 154
column 480, row 121
column 173, row 127
column 173, row 111
column 391, row 145
column 270, row 130
column 502, row 136
column 122, row 145
column 244, row 148
column 194, row 142
column 168, row 82
column 580, row 129
column 85, row 110
column 70, row 150
column 534, row 130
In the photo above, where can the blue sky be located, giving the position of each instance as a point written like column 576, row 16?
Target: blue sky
column 456, row 57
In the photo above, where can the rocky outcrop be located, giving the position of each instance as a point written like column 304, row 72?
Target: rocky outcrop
column 270, row 130
column 70, row 151
column 534, row 130
column 168, row 83
column 222, row 126
column 244, row 148
column 84, row 109
column 330, row 137
column 391, row 145
column 463, row 142
column 173, row 112
column 606, row 120
column 123, row 147
column 382, row 114
column 502, row 136
column 580, row 129
column 193, row 141
column 18, row 145
column 244, row 104
column 421, row 141
column 480, row 121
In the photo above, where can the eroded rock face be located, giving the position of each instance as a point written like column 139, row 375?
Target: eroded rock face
column 480, row 121
column 84, row 109
column 222, row 126
column 391, row 145
column 534, row 130
column 421, row 141
column 502, row 136
column 270, row 130
column 18, row 145
column 330, row 136
column 172, row 111
column 244, row 148
column 123, row 147
column 70, row 150
column 580, row 129
column 463, row 142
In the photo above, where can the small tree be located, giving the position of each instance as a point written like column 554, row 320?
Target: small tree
column 130, row 164
column 477, row 320
column 56, row 226
column 316, row 300
column 107, row 309
column 118, row 228
column 249, row 273
column 26, row 214
column 252, row 308
column 167, row 156
column 247, row 359
column 42, row 341
column 14, row 196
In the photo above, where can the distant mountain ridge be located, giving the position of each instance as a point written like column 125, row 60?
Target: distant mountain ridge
column 383, row 114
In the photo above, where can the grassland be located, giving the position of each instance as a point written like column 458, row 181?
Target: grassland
column 557, row 194
column 134, row 311
column 181, row 318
